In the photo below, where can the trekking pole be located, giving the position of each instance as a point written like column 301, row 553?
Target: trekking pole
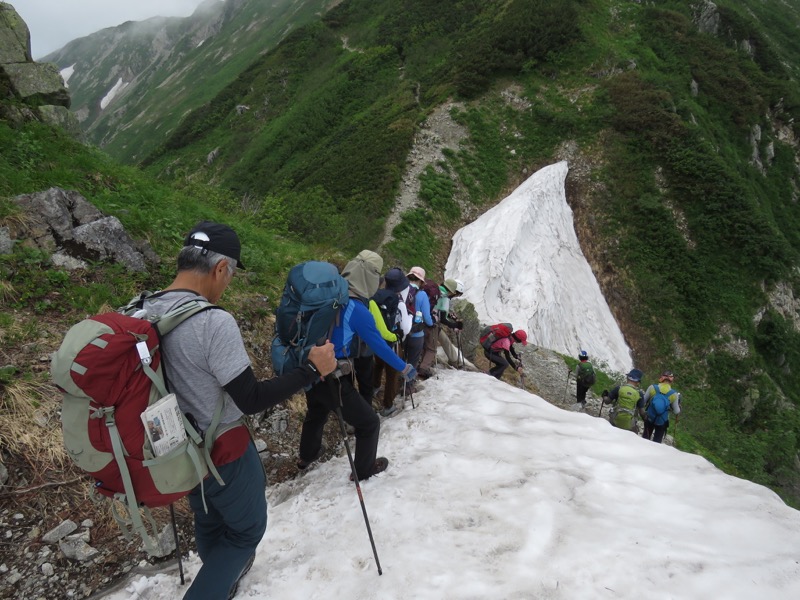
column 566, row 389
column 177, row 542
column 436, row 348
column 460, row 353
column 599, row 414
column 522, row 381
column 355, row 475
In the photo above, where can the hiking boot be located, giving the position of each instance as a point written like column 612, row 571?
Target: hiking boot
column 424, row 374
column 235, row 587
column 379, row 467
column 389, row 412
column 303, row 464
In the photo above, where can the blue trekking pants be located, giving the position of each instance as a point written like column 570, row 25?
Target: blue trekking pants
column 236, row 521
column 414, row 349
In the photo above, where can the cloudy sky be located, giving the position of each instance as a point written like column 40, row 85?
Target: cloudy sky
column 54, row 23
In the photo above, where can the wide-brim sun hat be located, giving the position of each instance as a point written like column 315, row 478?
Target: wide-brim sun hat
column 396, row 281
column 634, row 375
column 417, row 272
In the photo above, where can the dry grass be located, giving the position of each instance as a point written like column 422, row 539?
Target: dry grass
column 29, row 424
column 7, row 293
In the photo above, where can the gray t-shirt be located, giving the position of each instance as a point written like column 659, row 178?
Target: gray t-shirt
column 202, row 354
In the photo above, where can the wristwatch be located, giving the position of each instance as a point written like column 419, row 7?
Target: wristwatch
column 313, row 367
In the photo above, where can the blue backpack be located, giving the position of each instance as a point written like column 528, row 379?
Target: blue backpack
column 658, row 408
column 313, row 294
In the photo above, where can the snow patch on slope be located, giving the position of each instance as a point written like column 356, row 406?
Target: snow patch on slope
column 112, row 93
column 521, row 263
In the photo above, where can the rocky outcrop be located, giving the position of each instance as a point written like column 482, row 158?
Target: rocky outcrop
column 74, row 231
column 706, row 17
column 36, row 90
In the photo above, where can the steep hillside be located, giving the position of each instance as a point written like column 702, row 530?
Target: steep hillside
column 131, row 84
column 680, row 125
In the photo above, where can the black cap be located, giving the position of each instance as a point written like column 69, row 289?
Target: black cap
column 216, row 237
column 396, row 281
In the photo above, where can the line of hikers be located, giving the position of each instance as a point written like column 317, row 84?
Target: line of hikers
column 408, row 311
column 629, row 402
column 393, row 330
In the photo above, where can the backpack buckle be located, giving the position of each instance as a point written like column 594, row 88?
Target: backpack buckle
column 144, row 352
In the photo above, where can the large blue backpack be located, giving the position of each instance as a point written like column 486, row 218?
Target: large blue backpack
column 313, row 294
column 658, row 408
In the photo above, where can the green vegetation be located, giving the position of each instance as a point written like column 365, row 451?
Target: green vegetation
column 692, row 233
column 37, row 157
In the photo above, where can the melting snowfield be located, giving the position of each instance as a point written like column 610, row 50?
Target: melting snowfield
column 492, row 493
column 521, row 263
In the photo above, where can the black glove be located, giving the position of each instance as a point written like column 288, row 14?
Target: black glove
column 605, row 393
column 459, row 325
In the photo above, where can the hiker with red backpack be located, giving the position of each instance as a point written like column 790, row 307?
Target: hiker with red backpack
column 659, row 400
column 208, row 366
column 498, row 348
column 430, row 289
column 354, row 326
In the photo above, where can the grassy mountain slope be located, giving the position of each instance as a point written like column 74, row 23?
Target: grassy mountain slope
column 685, row 116
column 169, row 66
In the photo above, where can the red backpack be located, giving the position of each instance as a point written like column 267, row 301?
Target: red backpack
column 110, row 369
column 491, row 333
column 431, row 288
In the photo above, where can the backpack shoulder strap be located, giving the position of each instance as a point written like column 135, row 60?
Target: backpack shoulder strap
column 169, row 321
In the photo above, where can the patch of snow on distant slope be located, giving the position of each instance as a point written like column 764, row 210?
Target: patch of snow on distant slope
column 118, row 87
column 67, row 73
column 521, row 263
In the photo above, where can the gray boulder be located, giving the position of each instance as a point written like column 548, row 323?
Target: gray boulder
column 15, row 38
column 73, row 230
column 108, row 239
column 37, row 83
column 52, row 214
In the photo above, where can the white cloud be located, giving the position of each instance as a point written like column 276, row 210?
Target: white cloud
column 54, row 23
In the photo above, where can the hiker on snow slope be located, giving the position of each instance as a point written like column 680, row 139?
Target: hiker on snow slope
column 628, row 401
column 501, row 351
column 659, row 400
column 354, row 320
column 208, row 364
column 420, row 308
column 389, row 301
column 451, row 289
column 584, row 378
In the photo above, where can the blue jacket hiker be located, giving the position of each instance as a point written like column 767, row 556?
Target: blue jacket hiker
column 659, row 400
column 355, row 321
column 421, row 314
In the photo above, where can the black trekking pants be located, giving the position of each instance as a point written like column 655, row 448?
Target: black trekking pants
column 499, row 361
column 320, row 401
column 655, row 432
column 580, row 392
